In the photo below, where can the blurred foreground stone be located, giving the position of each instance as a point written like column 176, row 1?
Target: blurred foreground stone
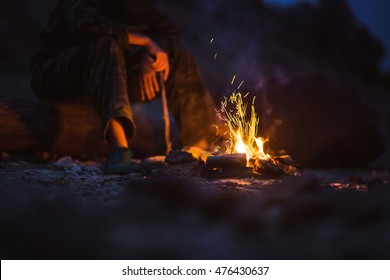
column 51, row 213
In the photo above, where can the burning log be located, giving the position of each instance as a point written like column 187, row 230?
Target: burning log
column 235, row 166
column 266, row 168
column 226, row 161
column 286, row 159
column 287, row 169
column 287, row 164
column 226, row 166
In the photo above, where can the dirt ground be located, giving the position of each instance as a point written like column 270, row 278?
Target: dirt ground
column 71, row 210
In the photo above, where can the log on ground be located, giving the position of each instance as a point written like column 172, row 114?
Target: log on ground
column 223, row 161
column 68, row 128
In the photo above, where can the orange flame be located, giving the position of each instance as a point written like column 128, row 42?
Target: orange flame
column 242, row 132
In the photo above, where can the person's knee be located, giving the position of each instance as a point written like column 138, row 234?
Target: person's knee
column 107, row 44
column 182, row 52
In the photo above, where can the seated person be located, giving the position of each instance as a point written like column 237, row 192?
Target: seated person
column 112, row 52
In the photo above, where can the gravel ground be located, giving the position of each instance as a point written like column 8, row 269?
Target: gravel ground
column 71, row 210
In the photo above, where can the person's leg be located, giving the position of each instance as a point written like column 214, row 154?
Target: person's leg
column 107, row 82
column 117, row 134
column 190, row 102
column 95, row 70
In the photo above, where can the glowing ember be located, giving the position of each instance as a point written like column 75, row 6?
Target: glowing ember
column 242, row 132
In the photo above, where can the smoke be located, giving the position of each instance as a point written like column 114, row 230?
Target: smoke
column 254, row 40
column 225, row 37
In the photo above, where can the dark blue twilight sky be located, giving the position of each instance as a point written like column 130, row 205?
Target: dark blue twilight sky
column 375, row 14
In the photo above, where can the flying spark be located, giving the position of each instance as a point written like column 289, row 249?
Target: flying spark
column 234, row 78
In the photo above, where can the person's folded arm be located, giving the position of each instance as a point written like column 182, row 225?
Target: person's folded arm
column 163, row 30
column 86, row 18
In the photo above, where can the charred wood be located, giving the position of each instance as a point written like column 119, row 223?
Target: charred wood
column 287, row 160
column 288, row 169
column 179, row 157
column 226, row 161
column 264, row 167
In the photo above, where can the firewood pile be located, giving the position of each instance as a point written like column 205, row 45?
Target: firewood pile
column 235, row 166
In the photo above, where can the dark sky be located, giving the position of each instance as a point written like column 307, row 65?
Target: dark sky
column 375, row 14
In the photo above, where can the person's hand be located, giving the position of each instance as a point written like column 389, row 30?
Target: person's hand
column 161, row 62
column 148, row 80
column 160, row 57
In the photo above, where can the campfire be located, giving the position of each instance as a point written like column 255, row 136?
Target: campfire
column 242, row 132
column 245, row 153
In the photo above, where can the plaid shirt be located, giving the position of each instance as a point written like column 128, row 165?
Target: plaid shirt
column 74, row 21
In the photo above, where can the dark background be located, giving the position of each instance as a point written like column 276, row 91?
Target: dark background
column 22, row 20
column 372, row 14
